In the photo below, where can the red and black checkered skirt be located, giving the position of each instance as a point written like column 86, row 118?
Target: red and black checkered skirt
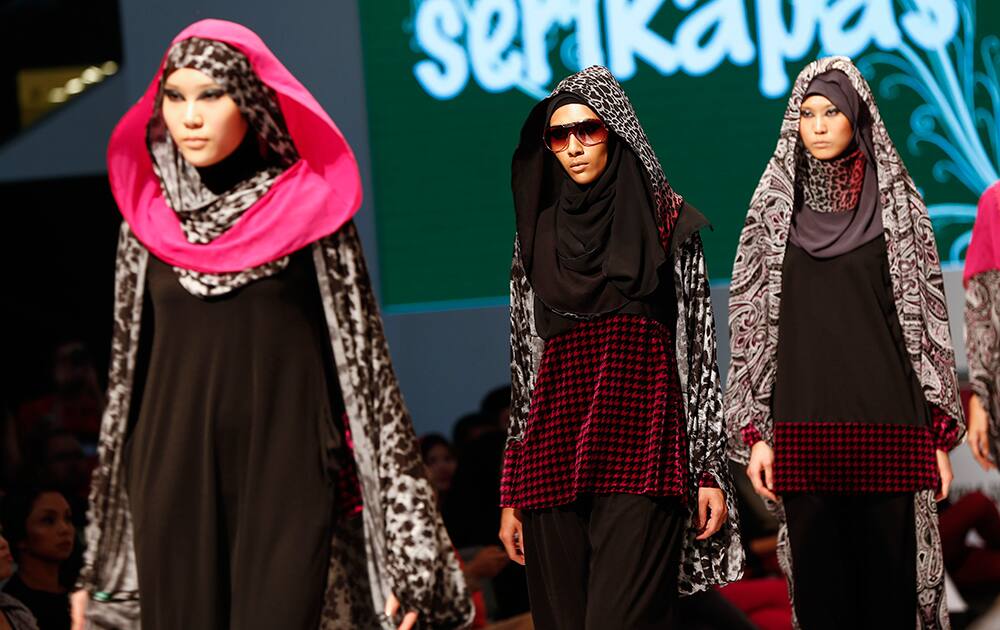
column 606, row 417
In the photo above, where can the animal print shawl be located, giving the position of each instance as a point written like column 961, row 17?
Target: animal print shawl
column 399, row 545
column 720, row 558
column 755, row 300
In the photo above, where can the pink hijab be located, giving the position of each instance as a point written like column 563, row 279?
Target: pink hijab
column 310, row 200
column 984, row 250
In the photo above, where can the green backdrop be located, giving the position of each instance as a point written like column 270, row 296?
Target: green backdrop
column 441, row 164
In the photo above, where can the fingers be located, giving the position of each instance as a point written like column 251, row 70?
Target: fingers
column 391, row 606
column 703, row 501
column 78, row 609
column 945, row 487
column 979, row 443
column 512, row 543
column 409, row 621
column 718, row 514
column 762, row 477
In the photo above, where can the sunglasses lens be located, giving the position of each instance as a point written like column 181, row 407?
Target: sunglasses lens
column 592, row 132
column 557, row 138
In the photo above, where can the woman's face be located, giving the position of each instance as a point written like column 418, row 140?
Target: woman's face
column 203, row 120
column 50, row 531
column 582, row 163
column 6, row 560
column 826, row 132
column 441, row 466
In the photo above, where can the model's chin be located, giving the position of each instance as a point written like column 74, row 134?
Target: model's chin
column 200, row 158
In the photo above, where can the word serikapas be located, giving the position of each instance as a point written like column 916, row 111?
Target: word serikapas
column 505, row 44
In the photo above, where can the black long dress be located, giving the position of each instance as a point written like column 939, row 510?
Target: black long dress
column 231, row 501
column 853, row 440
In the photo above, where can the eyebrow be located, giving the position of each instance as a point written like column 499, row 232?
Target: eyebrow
column 200, row 86
column 577, row 122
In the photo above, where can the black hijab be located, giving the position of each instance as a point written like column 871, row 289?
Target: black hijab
column 587, row 250
column 820, row 224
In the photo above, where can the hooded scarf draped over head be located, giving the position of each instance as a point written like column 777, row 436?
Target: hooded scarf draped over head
column 983, row 253
column 537, row 181
column 593, row 248
column 305, row 185
column 917, row 288
column 837, row 208
column 399, row 544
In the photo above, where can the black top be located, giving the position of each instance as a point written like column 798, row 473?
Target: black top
column 260, row 350
column 51, row 610
column 841, row 355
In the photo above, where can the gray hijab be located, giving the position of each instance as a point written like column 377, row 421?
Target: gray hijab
column 836, row 201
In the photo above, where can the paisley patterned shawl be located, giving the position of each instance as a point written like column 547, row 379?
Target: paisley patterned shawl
column 719, row 559
column 399, row 545
column 918, row 292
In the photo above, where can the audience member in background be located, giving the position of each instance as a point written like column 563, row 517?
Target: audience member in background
column 439, row 459
column 38, row 524
column 76, row 403
column 471, row 512
column 982, row 329
column 974, row 568
column 10, row 450
column 468, row 428
column 13, row 614
column 495, row 407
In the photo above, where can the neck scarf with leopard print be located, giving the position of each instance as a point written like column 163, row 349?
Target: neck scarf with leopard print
column 206, row 214
column 837, row 209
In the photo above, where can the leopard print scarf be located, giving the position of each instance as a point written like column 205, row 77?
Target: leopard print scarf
column 204, row 215
column 831, row 185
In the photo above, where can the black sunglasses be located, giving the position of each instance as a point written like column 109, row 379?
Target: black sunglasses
column 589, row 132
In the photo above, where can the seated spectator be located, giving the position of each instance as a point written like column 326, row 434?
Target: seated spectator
column 470, row 428
column 439, row 459
column 40, row 530
column 974, row 568
column 471, row 513
column 13, row 614
column 77, row 401
column 495, row 407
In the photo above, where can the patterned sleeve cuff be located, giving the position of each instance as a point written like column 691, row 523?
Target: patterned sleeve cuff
column 945, row 429
column 508, row 476
column 707, row 481
column 751, row 435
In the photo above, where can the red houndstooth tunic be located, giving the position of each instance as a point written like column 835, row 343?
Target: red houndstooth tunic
column 606, row 417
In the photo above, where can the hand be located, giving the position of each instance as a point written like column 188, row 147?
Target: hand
column 392, row 607
column 979, row 433
column 761, row 470
column 944, row 468
column 512, row 534
column 78, row 609
column 487, row 562
column 712, row 511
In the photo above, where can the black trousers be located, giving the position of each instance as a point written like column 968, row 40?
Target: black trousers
column 604, row 562
column 232, row 523
column 854, row 560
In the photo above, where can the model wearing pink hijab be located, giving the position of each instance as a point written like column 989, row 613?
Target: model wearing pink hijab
column 982, row 329
column 252, row 405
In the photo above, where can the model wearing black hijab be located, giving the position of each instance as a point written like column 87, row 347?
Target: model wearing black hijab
column 599, row 472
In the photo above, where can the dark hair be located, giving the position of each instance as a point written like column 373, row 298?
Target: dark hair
column 17, row 508
column 495, row 401
column 466, row 425
column 429, row 441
